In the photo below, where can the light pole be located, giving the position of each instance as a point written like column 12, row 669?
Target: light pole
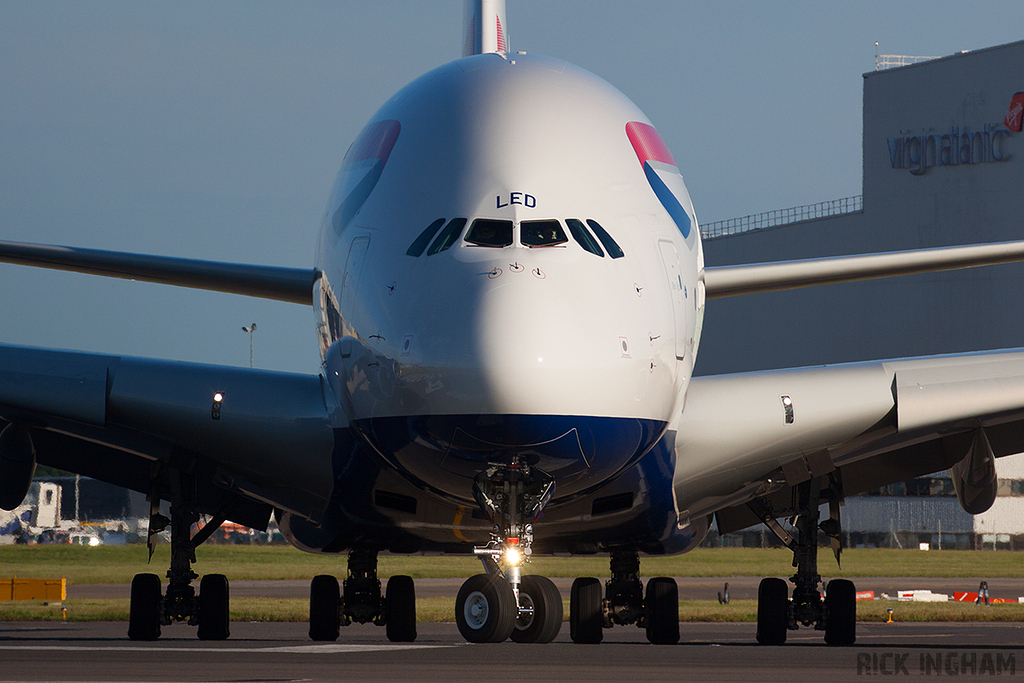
column 250, row 329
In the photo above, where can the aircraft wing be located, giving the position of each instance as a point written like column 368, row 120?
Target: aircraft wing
column 294, row 285
column 260, row 439
column 723, row 281
column 756, row 435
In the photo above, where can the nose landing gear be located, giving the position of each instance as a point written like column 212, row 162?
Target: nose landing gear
column 502, row 603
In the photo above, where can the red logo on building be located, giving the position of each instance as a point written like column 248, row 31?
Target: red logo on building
column 1015, row 113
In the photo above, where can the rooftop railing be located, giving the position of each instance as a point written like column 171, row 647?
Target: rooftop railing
column 892, row 61
column 770, row 219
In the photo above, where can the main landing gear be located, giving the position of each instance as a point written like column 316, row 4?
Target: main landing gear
column 150, row 609
column 836, row 614
column 502, row 603
column 360, row 600
column 624, row 603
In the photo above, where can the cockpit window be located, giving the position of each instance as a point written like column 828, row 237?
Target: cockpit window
column 486, row 232
column 417, row 247
column 448, row 236
column 609, row 244
column 541, row 233
column 582, row 235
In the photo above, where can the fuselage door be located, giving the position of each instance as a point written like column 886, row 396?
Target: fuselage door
column 353, row 273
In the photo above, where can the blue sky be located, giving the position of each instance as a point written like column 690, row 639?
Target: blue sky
column 213, row 130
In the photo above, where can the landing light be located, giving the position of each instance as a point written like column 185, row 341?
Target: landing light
column 218, row 398
column 787, row 406
column 513, row 557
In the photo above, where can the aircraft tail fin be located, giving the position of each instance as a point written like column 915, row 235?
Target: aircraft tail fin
column 484, row 26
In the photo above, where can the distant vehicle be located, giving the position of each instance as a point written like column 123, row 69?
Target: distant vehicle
column 76, row 538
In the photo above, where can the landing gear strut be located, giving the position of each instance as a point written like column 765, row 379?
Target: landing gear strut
column 836, row 614
column 209, row 610
column 624, row 603
column 361, row 601
column 502, row 603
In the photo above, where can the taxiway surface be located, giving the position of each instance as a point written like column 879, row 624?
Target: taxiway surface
column 707, row 652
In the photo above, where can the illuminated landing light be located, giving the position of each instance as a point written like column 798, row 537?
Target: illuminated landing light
column 787, row 405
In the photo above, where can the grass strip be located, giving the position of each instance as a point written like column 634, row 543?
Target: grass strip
column 443, row 610
column 117, row 564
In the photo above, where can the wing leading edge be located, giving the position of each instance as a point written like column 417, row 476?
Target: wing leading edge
column 723, row 281
column 294, row 285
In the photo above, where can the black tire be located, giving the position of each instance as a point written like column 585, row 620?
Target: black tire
column 841, row 612
column 586, row 622
column 662, row 606
column 400, row 609
column 772, row 611
column 144, row 612
column 324, row 608
column 545, row 621
column 214, row 608
column 485, row 609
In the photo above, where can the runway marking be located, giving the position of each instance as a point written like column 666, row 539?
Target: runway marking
column 328, row 648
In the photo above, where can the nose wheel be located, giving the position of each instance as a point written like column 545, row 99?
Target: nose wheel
column 540, row 611
column 485, row 609
column 502, row 603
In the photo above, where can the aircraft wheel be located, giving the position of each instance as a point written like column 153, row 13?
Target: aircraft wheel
column 841, row 612
column 214, row 608
column 662, row 604
column 324, row 601
column 586, row 622
column 543, row 620
column 144, row 610
column 772, row 611
column 485, row 609
column 400, row 609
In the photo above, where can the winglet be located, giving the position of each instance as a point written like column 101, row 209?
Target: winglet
column 484, row 27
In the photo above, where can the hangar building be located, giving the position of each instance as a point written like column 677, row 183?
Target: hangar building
column 943, row 164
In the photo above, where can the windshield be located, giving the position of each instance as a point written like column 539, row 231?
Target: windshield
column 487, row 232
column 542, row 233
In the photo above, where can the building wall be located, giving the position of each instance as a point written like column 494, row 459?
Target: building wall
column 919, row 515
column 944, row 205
column 906, row 206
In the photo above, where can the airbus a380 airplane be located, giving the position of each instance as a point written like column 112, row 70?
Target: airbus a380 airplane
column 508, row 294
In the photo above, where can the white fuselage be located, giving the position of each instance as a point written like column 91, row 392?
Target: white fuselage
column 485, row 332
